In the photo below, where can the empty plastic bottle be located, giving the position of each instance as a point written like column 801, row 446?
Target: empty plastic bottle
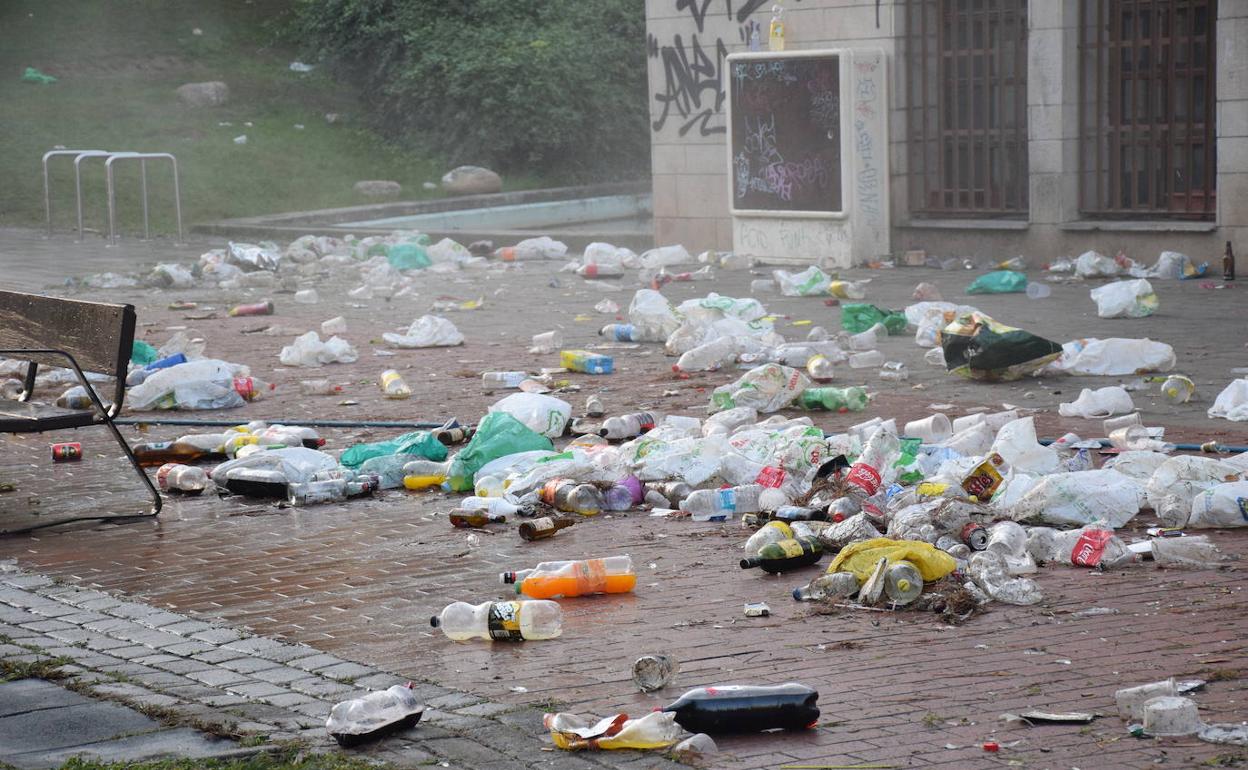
column 319, row 388
column 832, row 585
column 629, row 425
column 500, row 621
column 470, row 519
column 492, row 505
column 866, row 475
column 895, row 371
column 851, row 399
column 623, row 495
column 1090, row 546
column 771, row 532
column 820, row 368
column 746, row 709
column 621, row 333
column 572, row 496
column 785, row 555
column 674, row 492
column 393, row 386
column 720, row 351
column 586, row 362
column 175, row 477
column 544, row 527
column 550, row 580
column 902, row 582
column 870, row 360
column 502, row 380
column 326, row 491
column 719, row 504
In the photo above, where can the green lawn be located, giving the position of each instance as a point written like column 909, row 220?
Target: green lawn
column 118, row 63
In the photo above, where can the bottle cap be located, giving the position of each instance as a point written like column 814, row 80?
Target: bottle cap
column 507, row 577
column 435, row 621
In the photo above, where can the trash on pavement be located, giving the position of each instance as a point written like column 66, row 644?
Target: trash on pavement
column 1232, row 403
column 998, row 282
column 746, row 708
column 1099, row 403
column 571, row 732
column 1125, row 299
column 359, row 720
column 307, row 350
column 980, row 348
column 654, row 672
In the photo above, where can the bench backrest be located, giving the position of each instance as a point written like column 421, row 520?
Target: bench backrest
column 99, row 335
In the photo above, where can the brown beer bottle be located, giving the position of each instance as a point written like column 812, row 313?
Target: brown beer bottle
column 161, row 452
column 1228, row 264
column 540, row 529
column 469, row 519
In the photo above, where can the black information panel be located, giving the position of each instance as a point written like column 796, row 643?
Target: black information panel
column 786, row 133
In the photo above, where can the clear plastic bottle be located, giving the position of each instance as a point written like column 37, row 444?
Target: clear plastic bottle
column 629, row 425
column 902, row 582
column 674, row 492
column 1090, row 546
column 771, row 532
column 712, row 355
column 894, row 371
column 872, row 359
column 393, row 386
column 831, row 585
column 500, row 621
column 319, row 388
column 851, row 399
column 314, row 492
column 175, row 477
column 550, row 580
column 572, row 496
column 820, row 368
column 866, row 475
column 719, row 504
column 491, row 505
column 502, row 380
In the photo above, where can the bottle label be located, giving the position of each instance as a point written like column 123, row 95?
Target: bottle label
column 548, row 491
column 645, row 421
column 591, row 576
column 1090, row 547
column 162, row 475
column 865, row 478
column 790, row 548
column 245, row 387
column 504, row 622
column 544, row 524
column 770, row 476
column 984, row 480
column 728, row 499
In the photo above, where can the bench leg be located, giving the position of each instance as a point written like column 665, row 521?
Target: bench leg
column 157, row 501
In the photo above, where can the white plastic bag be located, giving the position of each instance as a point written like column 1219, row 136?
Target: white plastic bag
column 1079, row 498
column 810, row 282
column 1222, row 505
column 1115, row 356
column 665, row 256
column 1016, row 443
column 540, row 413
column 170, row 275
column 447, row 251
column 1175, row 265
column 429, row 331
column 1093, row 264
column 1178, row 480
column 1232, row 402
column 250, row 256
column 767, row 388
column 1125, row 299
column 1095, row 404
column 308, row 350
column 204, row 384
column 652, row 315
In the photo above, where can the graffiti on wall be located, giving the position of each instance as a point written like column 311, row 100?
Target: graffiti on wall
column 693, row 66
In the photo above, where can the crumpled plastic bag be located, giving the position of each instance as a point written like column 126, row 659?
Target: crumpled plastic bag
column 1113, row 357
column 1173, row 264
column 1125, row 299
column 1079, row 498
column 810, row 282
column 498, row 435
column 980, row 348
column 308, row 350
column 408, row 256
column 170, row 275
column 1222, row 505
column 546, row 415
column 998, row 282
column 204, row 384
column 447, row 251
column 542, row 247
column 651, row 314
column 428, row 331
column 1232, row 402
column 420, row 443
column 1179, row 479
column 858, row 317
column 1099, row 403
column 655, row 730
column 990, row 571
column 665, row 256
column 860, row 558
column 296, row 464
column 1016, row 443
column 1093, row 264
column 767, row 388
column 250, row 256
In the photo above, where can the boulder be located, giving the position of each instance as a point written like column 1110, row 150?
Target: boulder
column 471, row 180
column 376, row 188
column 211, row 94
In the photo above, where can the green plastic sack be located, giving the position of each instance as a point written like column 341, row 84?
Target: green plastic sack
column 978, row 347
column 142, row 353
column 998, row 282
column 32, row 75
column 857, row 317
column 408, row 256
column 419, row 443
column 498, row 435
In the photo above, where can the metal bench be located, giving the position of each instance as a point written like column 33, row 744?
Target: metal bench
column 51, row 331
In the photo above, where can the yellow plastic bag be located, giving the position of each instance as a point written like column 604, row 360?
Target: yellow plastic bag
column 860, row 558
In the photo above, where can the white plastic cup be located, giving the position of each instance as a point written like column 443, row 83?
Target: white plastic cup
column 762, row 286
column 1170, row 715
column 872, row 359
column 307, row 297
column 337, row 325
column 547, row 342
column 1126, row 420
column 998, row 420
column 930, row 429
column 1131, row 700
column 1038, row 290
column 962, row 423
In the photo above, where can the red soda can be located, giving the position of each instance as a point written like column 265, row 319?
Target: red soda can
column 975, row 536
column 70, row 451
column 259, row 308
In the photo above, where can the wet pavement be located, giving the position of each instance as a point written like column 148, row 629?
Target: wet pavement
column 360, row 580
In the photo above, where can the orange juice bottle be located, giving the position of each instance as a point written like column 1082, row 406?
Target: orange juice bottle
column 548, row 580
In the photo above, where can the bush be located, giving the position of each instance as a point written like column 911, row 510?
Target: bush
column 552, row 87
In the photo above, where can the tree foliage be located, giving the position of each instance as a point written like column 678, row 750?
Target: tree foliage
column 551, row 87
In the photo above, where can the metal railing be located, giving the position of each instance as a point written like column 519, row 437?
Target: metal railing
column 109, row 156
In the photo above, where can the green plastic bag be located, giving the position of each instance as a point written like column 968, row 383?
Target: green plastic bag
column 860, row 317
column 498, row 435
column 998, row 282
column 408, row 256
column 979, row 348
column 32, row 75
column 142, row 353
column 420, row 443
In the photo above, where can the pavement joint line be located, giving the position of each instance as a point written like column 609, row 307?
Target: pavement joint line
column 237, row 700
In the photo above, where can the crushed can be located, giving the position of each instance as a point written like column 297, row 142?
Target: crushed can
column 984, row 479
column 975, row 536
column 69, row 451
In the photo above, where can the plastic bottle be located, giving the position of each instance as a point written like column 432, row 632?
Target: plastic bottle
column 175, row 477
column 319, row 388
column 470, row 519
column 314, row 492
column 746, row 709
column 902, row 582
column 775, row 31
column 832, row 585
column 623, row 495
column 1090, row 546
column 719, row 504
column 572, row 496
column 720, row 351
column 393, row 386
column 586, row 362
column 161, row 452
column 600, row 270
column 851, row 399
column 785, row 555
column 137, row 376
column 502, row 380
column 488, row 486
column 621, row 333
column 895, row 371
column 793, row 513
column 848, row 289
column 870, row 360
column 259, row 308
column 629, row 425
column 866, row 475
column 820, row 368
column 544, row 527
column 496, row 506
column 771, row 532
column 550, row 580
column 500, row 621
column 674, row 492
column 655, row 730
column 424, row 474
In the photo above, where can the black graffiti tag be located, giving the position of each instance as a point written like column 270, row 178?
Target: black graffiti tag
column 691, row 83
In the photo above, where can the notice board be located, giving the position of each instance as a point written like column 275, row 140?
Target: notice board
column 785, row 134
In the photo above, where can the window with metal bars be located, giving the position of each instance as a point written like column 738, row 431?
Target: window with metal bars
column 1147, row 109
column 966, row 72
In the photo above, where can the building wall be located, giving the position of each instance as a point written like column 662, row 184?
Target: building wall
column 687, row 40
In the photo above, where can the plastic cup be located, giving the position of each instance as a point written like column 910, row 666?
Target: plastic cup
column 969, row 421
column 1114, row 423
column 547, row 342
column 1131, row 700
column 930, row 429
column 998, row 420
column 1038, row 290
column 654, row 672
column 762, row 286
column 1171, row 715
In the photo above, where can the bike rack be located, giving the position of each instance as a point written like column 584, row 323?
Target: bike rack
column 47, row 189
column 142, row 158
